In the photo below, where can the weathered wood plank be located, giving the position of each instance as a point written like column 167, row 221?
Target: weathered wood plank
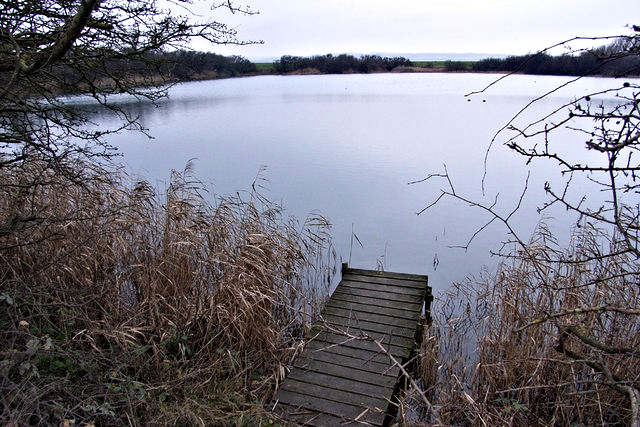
column 386, row 274
column 373, row 302
column 352, row 288
column 305, row 417
column 321, row 332
column 356, row 325
column 342, row 392
column 358, row 353
column 325, row 379
column 364, row 308
column 348, row 412
column 413, row 287
column 337, row 393
column 417, row 292
column 351, row 362
column 385, row 281
column 369, row 317
column 346, row 373
column 332, row 340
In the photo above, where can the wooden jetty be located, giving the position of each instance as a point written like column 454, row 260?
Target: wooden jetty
column 343, row 377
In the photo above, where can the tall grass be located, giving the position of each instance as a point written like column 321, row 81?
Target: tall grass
column 121, row 306
column 553, row 338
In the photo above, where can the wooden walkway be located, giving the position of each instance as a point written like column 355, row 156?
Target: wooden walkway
column 343, row 377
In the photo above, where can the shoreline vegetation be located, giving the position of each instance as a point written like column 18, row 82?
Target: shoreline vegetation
column 123, row 304
column 190, row 65
column 158, row 68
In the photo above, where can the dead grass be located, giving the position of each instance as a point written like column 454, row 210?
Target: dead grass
column 123, row 307
column 513, row 348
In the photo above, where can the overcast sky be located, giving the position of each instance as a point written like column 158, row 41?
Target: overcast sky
column 309, row 27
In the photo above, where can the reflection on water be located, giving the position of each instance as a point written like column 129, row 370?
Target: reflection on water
column 347, row 146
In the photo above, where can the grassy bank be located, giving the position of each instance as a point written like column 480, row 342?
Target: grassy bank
column 122, row 306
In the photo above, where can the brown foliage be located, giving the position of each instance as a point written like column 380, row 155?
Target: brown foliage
column 542, row 342
column 120, row 306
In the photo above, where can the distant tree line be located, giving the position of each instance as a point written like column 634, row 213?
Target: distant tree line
column 339, row 64
column 603, row 61
column 185, row 64
column 153, row 67
column 156, row 66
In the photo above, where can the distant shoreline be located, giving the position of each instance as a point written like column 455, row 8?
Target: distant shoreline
column 316, row 72
column 427, row 67
column 266, row 69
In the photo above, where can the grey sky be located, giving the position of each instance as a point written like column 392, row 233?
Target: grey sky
column 308, row 27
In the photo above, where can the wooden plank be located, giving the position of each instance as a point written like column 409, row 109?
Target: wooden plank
column 385, row 281
column 414, row 286
column 329, row 340
column 411, row 280
column 373, row 416
column 305, row 417
column 357, row 353
column 399, row 336
column 337, row 393
column 369, row 317
column 345, row 373
column 341, row 392
column 351, row 362
column 385, row 274
column 321, row 332
column 380, row 294
column 356, row 325
column 328, row 380
column 364, row 308
column 372, row 302
column 399, row 290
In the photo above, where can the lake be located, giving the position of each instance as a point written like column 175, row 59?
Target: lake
column 348, row 145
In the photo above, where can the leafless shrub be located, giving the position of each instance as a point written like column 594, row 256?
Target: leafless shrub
column 553, row 337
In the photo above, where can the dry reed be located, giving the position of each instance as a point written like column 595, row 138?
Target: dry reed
column 120, row 307
column 552, row 338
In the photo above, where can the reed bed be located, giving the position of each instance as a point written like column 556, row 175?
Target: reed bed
column 552, row 338
column 122, row 306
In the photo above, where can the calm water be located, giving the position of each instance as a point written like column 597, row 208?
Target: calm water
column 347, row 146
